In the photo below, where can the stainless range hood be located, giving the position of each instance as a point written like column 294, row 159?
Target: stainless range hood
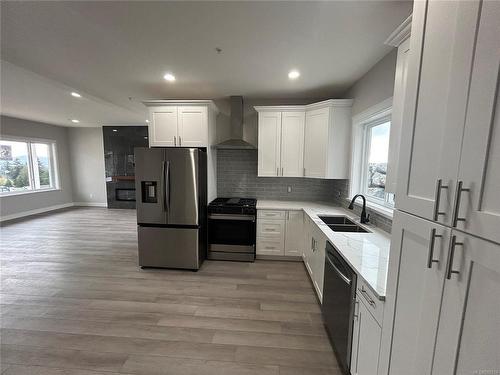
column 236, row 122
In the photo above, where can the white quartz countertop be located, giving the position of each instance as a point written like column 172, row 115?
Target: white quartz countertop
column 367, row 253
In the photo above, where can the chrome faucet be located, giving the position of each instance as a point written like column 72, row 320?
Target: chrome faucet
column 364, row 217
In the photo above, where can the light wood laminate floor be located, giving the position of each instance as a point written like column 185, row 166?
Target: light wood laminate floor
column 74, row 301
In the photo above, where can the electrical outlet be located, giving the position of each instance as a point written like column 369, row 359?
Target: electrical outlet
column 289, row 189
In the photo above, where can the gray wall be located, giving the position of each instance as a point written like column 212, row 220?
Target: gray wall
column 17, row 204
column 375, row 86
column 87, row 166
column 237, row 177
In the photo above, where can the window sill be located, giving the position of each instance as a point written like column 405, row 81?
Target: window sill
column 15, row 193
column 379, row 209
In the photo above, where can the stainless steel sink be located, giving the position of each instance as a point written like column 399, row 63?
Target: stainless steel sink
column 347, row 228
column 336, row 220
column 342, row 224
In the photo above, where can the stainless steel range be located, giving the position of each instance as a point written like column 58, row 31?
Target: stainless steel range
column 231, row 229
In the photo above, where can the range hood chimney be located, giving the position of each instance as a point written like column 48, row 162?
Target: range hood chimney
column 236, row 122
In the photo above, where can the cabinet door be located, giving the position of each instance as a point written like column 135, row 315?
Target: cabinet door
column 468, row 339
column 193, row 126
column 308, row 243
column 269, row 144
column 416, row 275
column 318, row 260
column 292, row 144
column 315, row 142
column 368, row 343
column 294, row 233
column 163, row 127
column 442, row 41
column 480, row 159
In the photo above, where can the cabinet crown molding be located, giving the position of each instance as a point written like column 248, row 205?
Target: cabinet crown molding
column 178, row 102
column 401, row 33
column 306, row 107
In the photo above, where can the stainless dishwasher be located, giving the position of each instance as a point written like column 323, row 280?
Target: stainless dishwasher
column 339, row 296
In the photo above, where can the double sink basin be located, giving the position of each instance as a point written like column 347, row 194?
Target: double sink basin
column 342, row 224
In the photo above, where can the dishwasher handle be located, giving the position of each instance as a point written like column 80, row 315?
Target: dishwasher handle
column 346, row 279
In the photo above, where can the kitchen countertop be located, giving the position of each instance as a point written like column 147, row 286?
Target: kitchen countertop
column 367, row 253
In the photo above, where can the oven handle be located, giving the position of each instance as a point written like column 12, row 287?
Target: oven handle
column 338, row 272
column 231, row 217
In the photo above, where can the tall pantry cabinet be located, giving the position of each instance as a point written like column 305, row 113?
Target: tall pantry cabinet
column 443, row 293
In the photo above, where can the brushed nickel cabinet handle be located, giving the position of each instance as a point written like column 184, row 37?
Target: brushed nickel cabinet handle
column 453, row 245
column 304, row 171
column 277, row 171
column 175, row 143
column 430, row 257
column 281, row 171
column 180, row 141
column 367, row 296
column 456, row 207
column 437, row 199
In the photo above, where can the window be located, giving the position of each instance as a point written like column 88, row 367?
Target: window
column 374, row 161
column 27, row 165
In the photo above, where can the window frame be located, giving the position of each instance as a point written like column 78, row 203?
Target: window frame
column 376, row 115
column 53, row 164
column 363, row 185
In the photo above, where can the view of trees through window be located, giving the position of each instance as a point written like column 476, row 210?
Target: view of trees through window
column 24, row 166
column 376, row 161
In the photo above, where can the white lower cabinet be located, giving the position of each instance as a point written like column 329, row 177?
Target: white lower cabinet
column 365, row 341
column 279, row 232
column 293, row 233
column 318, row 260
column 445, row 318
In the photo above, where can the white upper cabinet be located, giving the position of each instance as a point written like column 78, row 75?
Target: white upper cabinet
column 192, row 126
column 450, row 147
column 269, row 140
column 440, row 58
column 312, row 140
column 292, row 144
column 174, row 123
column 327, row 145
column 477, row 204
column 163, row 127
column 316, row 143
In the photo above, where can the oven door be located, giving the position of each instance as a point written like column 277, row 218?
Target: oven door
column 228, row 229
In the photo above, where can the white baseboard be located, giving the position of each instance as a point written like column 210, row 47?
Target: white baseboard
column 35, row 212
column 90, row 204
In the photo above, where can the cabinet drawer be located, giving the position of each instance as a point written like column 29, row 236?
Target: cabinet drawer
column 270, row 246
column 268, row 214
column 372, row 303
column 271, row 229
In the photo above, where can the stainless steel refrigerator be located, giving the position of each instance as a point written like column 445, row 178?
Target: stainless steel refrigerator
column 171, row 195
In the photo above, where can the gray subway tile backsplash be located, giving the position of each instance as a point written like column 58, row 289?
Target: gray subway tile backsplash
column 237, row 177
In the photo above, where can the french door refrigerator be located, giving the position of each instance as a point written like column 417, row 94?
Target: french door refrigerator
column 171, row 190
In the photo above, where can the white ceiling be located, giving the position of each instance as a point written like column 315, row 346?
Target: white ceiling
column 113, row 51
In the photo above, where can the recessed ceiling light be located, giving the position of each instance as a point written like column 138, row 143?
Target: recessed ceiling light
column 145, row 137
column 293, row 74
column 169, row 77
column 75, row 121
column 147, row 121
column 76, row 95
column 115, row 130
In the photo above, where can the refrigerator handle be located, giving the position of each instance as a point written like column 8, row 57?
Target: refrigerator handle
column 163, row 169
column 167, row 185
